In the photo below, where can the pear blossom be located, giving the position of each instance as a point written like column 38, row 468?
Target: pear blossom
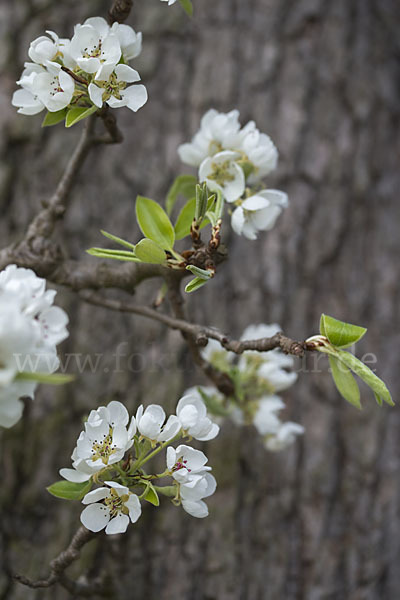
column 170, row 2
column 111, row 87
column 260, row 151
column 222, row 173
column 215, row 130
column 184, row 461
column 54, row 88
column 150, row 423
column 258, row 213
column 192, row 414
column 193, row 491
column 285, row 436
column 104, row 442
column 265, row 419
column 213, row 351
column 44, row 49
column 91, row 48
column 30, row 328
column 25, row 100
column 111, row 508
column 130, row 42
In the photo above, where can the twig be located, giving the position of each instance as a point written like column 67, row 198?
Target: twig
column 200, row 333
column 61, row 562
column 119, row 11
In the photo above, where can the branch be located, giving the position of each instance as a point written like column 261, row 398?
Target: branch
column 119, row 11
column 200, row 333
column 61, row 562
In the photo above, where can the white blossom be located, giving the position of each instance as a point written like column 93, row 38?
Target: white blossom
column 111, row 508
column 54, row 88
column 130, row 42
column 258, row 213
column 30, row 328
column 184, row 461
column 45, row 49
column 25, row 100
column 265, row 419
column 222, row 173
column 104, row 441
column 92, row 47
column 150, row 423
column 170, row 2
column 193, row 491
column 285, row 436
column 215, row 129
column 274, row 362
column 110, row 87
column 260, row 152
column 192, row 414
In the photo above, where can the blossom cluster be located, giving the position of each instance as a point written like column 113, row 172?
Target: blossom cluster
column 233, row 160
column 85, row 71
column 100, row 456
column 258, row 377
column 30, row 329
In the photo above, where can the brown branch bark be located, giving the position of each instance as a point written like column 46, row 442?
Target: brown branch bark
column 61, row 562
column 119, row 11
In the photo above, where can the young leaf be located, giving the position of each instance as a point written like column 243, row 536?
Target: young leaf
column 202, row 273
column 76, row 114
column 51, row 378
column 187, row 7
column 152, row 496
column 52, row 118
column 150, row 252
column 154, row 222
column 185, row 220
column 365, row 373
column 69, row 490
column 195, row 284
column 184, row 185
column 117, row 240
column 340, row 334
column 345, row 382
column 115, row 254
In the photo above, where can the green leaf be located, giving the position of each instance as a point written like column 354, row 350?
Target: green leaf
column 52, row 118
column 345, row 382
column 150, row 252
column 187, row 7
column 195, row 284
column 185, row 219
column 154, row 222
column 184, row 185
column 69, row 490
column 365, row 373
column 115, row 254
column 51, row 378
column 117, row 240
column 202, row 273
column 76, row 114
column 152, row 496
column 340, row 334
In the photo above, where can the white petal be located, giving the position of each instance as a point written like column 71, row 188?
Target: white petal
column 134, row 507
column 126, row 73
column 135, row 97
column 96, row 94
column 118, row 524
column 74, row 475
column 197, row 509
column 96, row 495
column 238, row 220
column 118, row 413
column 95, row 517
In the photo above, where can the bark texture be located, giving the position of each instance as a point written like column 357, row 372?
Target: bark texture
column 321, row 520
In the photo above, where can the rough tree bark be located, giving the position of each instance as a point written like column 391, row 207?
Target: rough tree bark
column 321, row 520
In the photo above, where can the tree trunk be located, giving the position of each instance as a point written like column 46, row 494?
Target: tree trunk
column 321, row 519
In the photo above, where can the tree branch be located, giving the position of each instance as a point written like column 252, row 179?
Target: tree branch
column 61, row 562
column 201, row 334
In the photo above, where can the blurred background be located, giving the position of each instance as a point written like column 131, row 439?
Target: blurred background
column 321, row 520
